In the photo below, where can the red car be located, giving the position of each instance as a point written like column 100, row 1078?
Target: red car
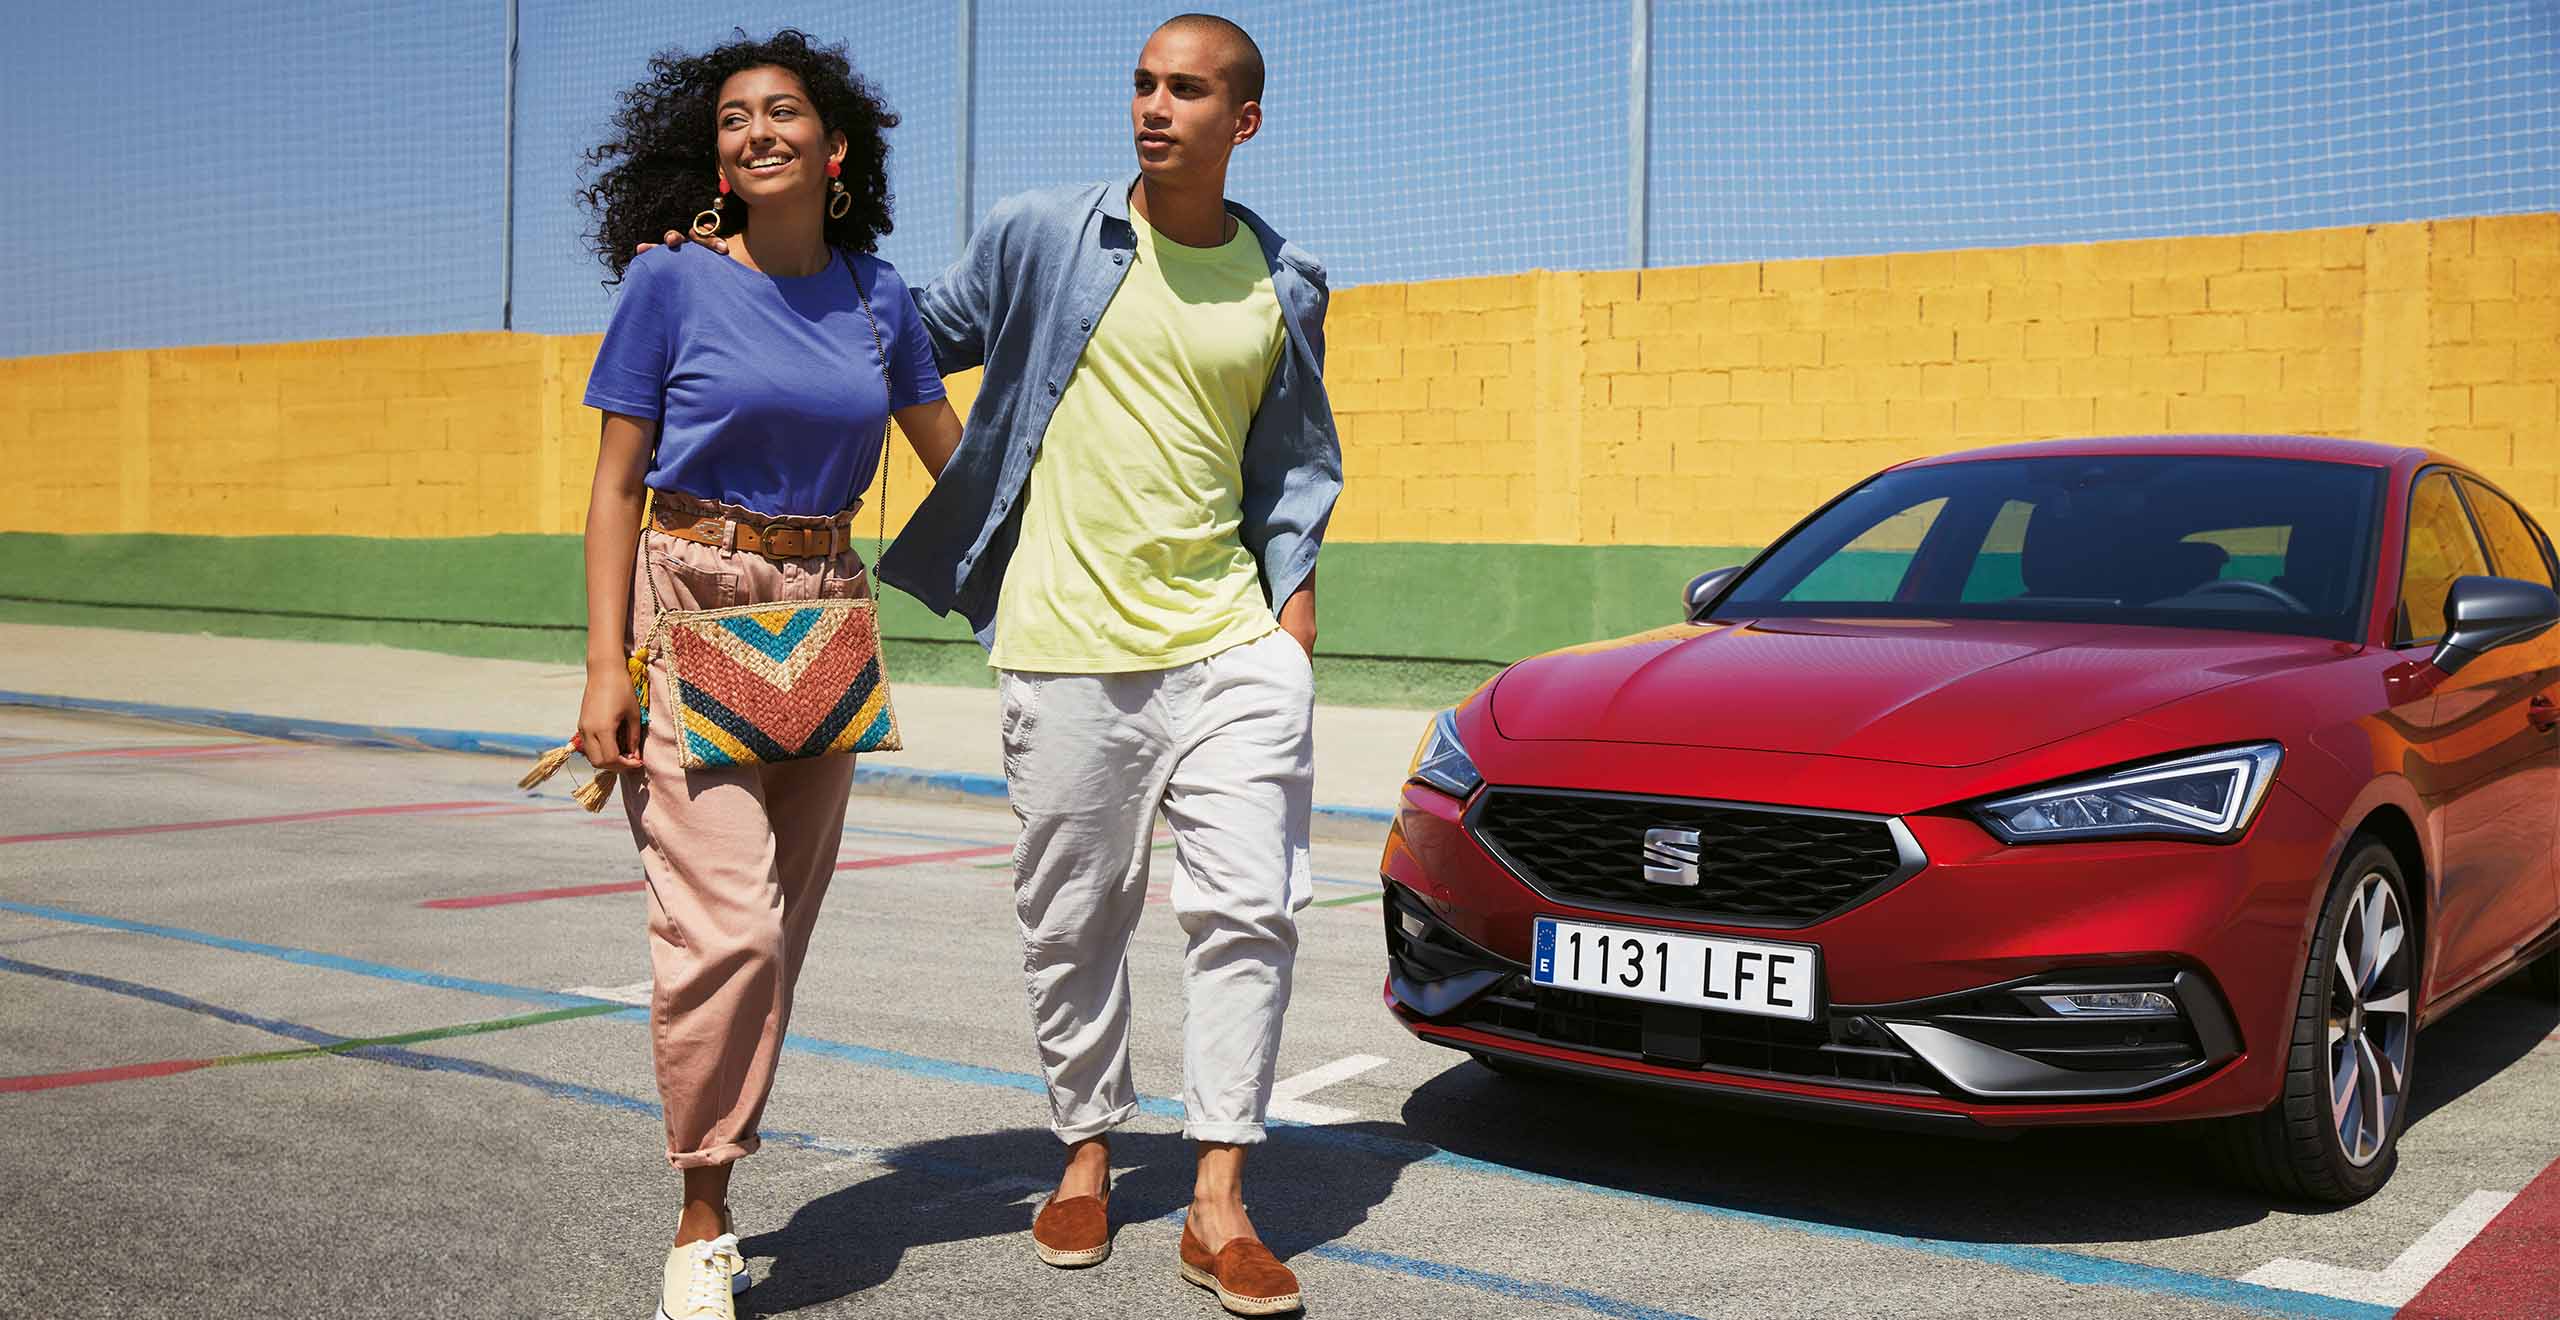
column 2096, row 781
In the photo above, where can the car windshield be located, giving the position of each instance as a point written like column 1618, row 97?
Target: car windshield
column 2268, row 545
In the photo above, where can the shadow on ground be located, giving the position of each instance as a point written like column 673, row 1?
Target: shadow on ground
column 2056, row 1186
column 956, row 1189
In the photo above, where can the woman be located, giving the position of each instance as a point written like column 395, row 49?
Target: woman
column 746, row 390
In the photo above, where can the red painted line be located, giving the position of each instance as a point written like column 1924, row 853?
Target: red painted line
column 533, row 895
column 634, row 886
column 405, row 809
column 912, row 859
column 177, row 750
column 2510, row 1270
column 93, row 1076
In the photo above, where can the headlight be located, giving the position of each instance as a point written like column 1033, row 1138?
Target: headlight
column 1441, row 761
column 2211, row 795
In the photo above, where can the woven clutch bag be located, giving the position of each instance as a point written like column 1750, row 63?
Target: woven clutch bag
column 754, row 684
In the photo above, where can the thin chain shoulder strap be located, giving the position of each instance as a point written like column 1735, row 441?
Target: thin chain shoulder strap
column 879, row 349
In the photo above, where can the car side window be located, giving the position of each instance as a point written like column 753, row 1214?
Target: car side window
column 2513, row 547
column 2441, row 548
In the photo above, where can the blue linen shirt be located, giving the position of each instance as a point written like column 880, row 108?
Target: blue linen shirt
column 767, row 390
column 1022, row 302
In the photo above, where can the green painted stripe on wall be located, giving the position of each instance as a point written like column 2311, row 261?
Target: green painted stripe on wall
column 1401, row 624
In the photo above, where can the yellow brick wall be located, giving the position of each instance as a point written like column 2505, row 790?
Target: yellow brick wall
column 1687, row 406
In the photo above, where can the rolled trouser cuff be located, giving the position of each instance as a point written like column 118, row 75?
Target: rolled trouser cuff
column 1085, row 1129
column 727, row 1152
column 1225, row 1134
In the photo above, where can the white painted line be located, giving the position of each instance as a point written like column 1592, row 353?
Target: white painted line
column 1288, row 1104
column 2394, row 1284
column 635, row 994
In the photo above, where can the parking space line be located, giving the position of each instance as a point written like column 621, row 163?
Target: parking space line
column 469, row 901
column 2509, row 1269
column 1497, row 1284
column 319, row 1042
column 93, row 1076
column 918, row 859
column 1288, row 1096
column 532, row 895
column 635, row 994
column 304, row 957
column 182, row 751
column 2045, row 1262
column 342, row 813
column 2407, row 1275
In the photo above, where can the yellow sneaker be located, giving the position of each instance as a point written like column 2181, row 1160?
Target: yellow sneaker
column 700, row 1280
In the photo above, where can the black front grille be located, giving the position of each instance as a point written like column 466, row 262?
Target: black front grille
column 1668, row 1035
column 1756, row 866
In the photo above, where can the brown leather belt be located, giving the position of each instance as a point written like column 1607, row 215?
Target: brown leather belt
column 733, row 528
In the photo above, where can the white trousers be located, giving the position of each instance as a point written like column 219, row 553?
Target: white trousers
column 1225, row 747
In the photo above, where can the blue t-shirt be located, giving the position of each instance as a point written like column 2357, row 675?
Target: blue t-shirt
column 766, row 389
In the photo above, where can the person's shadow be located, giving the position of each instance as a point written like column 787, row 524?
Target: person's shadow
column 958, row 1189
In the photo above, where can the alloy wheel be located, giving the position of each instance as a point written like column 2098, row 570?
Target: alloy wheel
column 2370, row 1024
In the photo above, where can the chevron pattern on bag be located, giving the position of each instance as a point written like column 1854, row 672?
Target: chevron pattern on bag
column 779, row 684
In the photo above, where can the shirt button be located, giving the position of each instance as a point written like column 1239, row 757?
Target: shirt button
column 1086, row 323
column 1053, row 389
column 1117, row 258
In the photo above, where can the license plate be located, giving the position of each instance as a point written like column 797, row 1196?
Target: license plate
column 1665, row 967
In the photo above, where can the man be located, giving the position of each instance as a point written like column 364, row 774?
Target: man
column 1131, row 523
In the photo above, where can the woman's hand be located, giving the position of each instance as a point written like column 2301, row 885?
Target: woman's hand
column 609, row 729
column 678, row 238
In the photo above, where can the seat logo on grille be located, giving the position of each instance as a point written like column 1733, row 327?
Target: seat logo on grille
column 1671, row 857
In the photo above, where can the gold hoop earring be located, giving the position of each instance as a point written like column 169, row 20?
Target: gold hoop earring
column 841, row 202
column 706, row 222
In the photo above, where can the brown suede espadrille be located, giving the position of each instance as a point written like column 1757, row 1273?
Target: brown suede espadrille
column 1247, row 1278
column 1072, row 1233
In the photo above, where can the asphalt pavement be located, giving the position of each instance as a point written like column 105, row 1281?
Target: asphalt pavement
column 293, row 1029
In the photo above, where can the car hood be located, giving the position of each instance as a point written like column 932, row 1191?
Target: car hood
column 1918, row 692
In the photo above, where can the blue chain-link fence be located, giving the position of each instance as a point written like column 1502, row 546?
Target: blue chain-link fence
column 246, row 170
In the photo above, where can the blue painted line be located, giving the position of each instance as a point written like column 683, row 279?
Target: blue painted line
column 415, row 739
column 305, row 957
column 1497, row 1284
column 945, row 1070
column 299, row 730
column 2066, row 1266
column 172, row 999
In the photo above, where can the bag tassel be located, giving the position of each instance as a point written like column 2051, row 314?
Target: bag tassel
column 593, row 793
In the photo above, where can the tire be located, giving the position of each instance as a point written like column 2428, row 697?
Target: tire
column 2294, row 1148
column 2544, row 974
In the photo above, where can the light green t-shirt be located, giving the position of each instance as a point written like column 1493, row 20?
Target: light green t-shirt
column 1130, row 559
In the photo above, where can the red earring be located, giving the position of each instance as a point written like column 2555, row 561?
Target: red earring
column 835, row 169
column 724, row 185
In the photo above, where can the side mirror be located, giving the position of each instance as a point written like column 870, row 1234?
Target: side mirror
column 1704, row 588
column 2484, row 613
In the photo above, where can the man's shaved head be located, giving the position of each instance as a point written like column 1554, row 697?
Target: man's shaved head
column 1242, row 64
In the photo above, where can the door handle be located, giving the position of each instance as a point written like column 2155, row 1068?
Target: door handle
column 2543, row 714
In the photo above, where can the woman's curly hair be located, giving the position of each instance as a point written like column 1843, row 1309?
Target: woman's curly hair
column 661, row 165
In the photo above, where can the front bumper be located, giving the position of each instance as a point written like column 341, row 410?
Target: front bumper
column 1932, row 987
